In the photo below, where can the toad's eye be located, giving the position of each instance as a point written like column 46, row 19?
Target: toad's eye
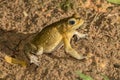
column 71, row 22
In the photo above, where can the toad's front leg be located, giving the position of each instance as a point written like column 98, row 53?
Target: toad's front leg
column 69, row 49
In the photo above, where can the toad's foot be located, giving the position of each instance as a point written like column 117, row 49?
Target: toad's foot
column 74, row 54
column 34, row 59
column 80, row 57
column 80, row 35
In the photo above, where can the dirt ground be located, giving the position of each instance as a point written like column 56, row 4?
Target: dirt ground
column 20, row 20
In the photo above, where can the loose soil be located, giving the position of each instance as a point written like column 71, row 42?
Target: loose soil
column 21, row 20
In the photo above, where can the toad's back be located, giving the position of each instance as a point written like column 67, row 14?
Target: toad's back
column 48, row 38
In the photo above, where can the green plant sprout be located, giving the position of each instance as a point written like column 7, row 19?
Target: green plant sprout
column 86, row 77
column 83, row 76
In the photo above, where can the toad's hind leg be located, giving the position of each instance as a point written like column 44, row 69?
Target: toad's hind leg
column 39, row 51
column 70, row 50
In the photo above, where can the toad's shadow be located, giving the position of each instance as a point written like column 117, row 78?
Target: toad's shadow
column 12, row 43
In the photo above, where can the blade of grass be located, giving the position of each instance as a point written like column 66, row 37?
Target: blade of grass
column 114, row 1
column 83, row 76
